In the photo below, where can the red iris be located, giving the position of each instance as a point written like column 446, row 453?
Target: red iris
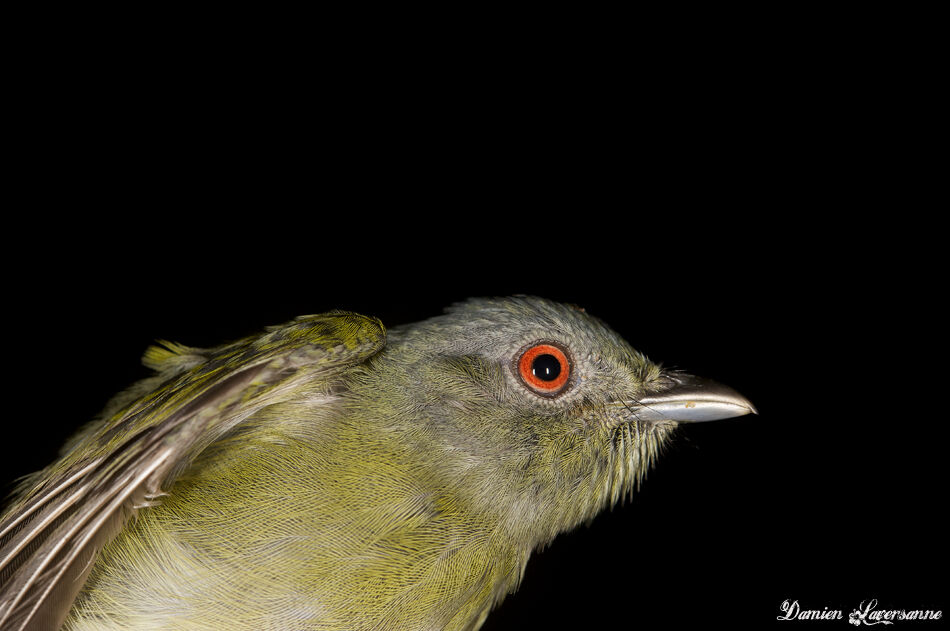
column 544, row 368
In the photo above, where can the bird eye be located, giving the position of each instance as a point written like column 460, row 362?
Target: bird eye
column 544, row 368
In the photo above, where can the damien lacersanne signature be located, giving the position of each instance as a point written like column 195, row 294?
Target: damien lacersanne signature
column 866, row 613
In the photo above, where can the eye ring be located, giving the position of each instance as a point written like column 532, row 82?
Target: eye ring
column 544, row 368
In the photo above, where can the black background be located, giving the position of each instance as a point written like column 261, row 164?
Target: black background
column 754, row 215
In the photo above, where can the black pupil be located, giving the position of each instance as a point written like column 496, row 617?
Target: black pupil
column 546, row 367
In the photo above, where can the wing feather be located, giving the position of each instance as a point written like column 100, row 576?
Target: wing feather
column 51, row 535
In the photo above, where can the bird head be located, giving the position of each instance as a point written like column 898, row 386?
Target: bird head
column 536, row 410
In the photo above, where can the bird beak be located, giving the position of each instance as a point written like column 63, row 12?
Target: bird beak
column 690, row 399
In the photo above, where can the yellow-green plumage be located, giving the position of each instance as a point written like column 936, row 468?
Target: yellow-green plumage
column 325, row 475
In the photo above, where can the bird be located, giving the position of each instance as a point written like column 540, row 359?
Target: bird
column 331, row 474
